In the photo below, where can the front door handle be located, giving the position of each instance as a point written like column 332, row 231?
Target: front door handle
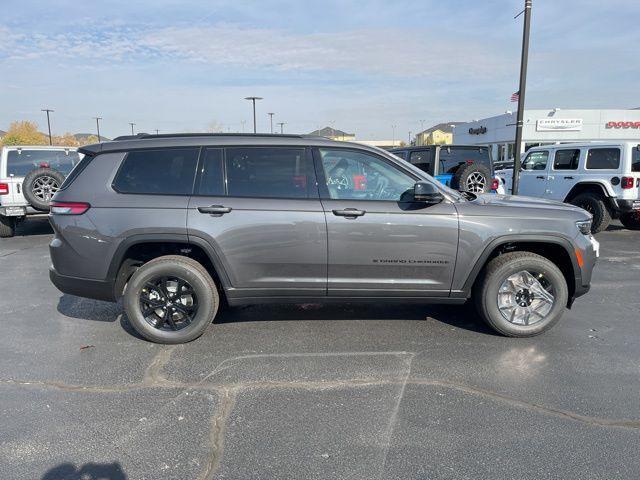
column 349, row 212
column 215, row 210
column 568, row 178
column 541, row 177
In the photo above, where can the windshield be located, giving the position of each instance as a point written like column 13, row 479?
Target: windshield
column 21, row 162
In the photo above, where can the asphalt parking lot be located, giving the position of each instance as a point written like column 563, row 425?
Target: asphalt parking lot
column 355, row 391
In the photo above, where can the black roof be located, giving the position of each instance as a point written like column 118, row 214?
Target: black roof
column 145, row 140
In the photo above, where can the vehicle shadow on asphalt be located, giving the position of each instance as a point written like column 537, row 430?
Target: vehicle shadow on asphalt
column 34, row 226
column 88, row 471
column 459, row 316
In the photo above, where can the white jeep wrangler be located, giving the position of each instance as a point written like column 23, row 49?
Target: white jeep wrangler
column 29, row 176
column 603, row 178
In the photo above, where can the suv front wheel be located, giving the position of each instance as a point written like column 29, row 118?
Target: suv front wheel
column 521, row 294
column 171, row 299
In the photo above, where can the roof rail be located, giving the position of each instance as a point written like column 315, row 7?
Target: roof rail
column 148, row 136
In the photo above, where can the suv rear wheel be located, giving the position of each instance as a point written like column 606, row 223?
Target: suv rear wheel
column 171, row 299
column 631, row 220
column 594, row 204
column 521, row 294
column 7, row 226
column 474, row 178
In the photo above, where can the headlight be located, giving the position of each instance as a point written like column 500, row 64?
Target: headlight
column 584, row 226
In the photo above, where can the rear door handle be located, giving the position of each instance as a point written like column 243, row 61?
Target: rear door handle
column 349, row 212
column 215, row 210
column 568, row 178
column 541, row 177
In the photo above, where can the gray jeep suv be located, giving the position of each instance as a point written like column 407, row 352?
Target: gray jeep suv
column 180, row 224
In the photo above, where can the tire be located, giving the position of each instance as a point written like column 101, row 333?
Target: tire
column 594, row 204
column 204, row 293
column 495, row 276
column 474, row 178
column 631, row 220
column 7, row 226
column 39, row 186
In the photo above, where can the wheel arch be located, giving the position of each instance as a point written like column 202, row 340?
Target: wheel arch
column 595, row 187
column 557, row 249
column 139, row 249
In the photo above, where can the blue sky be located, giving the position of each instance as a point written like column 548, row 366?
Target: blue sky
column 361, row 66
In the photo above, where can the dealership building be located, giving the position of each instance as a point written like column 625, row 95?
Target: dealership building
column 542, row 127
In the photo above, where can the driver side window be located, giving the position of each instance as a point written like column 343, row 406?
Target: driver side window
column 352, row 175
column 536, row 161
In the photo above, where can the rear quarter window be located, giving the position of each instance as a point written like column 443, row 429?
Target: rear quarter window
column 159, row 172
column 603, row 159
column 635, row 159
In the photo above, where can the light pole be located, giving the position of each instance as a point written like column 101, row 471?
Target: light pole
column 48, row 110
column 523, row 85
column 253, row 100
column 157, row 131
column 132, row 125
column 393, row 135
column 282, row 124
column 271, row 114
column 97, row 119
column 409, row 137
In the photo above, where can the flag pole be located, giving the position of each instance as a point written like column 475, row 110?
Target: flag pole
column 521, row 91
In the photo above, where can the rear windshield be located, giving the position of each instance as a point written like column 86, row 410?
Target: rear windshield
column 452, row 157
column 21, row 162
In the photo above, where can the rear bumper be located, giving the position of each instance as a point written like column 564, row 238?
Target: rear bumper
column 624, row 205
column 83, row 287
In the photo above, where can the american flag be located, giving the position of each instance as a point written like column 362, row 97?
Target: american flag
column 515, row 96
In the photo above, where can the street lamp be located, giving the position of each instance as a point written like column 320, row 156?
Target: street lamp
column 253, row 100
column 271, row 114
column 132, row 125
column 282, row 124
column 409, row 138
column 97, row 119
column 48, row 110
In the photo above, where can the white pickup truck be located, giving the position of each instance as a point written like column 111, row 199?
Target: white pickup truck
column 29, row 176
column 603, row 178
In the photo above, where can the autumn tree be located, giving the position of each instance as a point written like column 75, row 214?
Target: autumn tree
column 66, row 140
column 24, row 133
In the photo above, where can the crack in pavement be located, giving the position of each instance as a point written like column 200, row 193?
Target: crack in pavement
column 339, row 384
column 217, row 433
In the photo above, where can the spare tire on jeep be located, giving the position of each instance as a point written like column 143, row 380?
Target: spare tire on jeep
column 473, row 177
column 39, row 186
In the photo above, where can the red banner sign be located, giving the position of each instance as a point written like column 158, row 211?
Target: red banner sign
column 623, row 124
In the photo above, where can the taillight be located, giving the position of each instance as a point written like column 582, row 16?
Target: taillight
column 4, row 188
column 495, row 184
column 627, row 182
column 69, row 208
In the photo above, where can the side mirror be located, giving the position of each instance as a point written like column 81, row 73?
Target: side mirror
column 427, row 192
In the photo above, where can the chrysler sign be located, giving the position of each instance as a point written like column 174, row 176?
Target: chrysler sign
column 559, row 124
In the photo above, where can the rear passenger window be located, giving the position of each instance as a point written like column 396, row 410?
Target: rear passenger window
column 268, row 172
column 211, row 176
column 566, row 160
column 167, row 171
column 635, row 159
column 603, row 159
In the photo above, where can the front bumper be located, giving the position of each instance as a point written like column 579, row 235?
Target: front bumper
column 83, row 287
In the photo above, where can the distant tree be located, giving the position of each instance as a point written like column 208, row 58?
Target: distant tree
column 66, row 140
column 24, row 133
column 215, row 127
column 90, row 139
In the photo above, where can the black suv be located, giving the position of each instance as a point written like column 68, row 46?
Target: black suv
column 463, row 167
